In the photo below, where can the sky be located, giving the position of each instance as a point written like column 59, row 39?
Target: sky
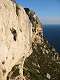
column 47, row 10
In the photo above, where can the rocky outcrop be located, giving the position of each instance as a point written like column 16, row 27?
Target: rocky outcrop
column 44, row 62
column 37, row 29
column 15, row 39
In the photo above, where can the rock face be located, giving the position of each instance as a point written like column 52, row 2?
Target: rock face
column 15, row 38
column 37, row 29
column 21, row 34
column 44, row 62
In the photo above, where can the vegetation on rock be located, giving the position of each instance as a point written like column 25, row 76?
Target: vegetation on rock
column 44, row 62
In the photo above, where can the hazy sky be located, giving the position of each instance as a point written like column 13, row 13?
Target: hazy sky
column 47, row 10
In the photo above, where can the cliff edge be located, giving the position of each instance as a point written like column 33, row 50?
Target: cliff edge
column 44, row 62
column 24, row 53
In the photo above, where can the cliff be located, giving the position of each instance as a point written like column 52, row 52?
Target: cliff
column 44, row 62
column 15, row 38
column 23, row 49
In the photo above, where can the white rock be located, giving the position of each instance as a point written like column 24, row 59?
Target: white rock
column 48, row 76
column 15, row 37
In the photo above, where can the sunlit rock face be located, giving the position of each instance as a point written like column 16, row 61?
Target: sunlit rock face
column 15, row 38
column 37, row 29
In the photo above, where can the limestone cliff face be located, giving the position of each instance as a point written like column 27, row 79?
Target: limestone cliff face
column 44, row 62
column 15, row 38
column 23, row 47
column 37, row 29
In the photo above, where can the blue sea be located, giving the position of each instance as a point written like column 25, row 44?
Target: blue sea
column 52, row 34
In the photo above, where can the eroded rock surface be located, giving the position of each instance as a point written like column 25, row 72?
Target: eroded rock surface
column 15, row 38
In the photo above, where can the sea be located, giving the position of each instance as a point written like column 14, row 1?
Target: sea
column 52, row 34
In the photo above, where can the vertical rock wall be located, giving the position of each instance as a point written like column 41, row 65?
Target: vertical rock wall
column 15, row 37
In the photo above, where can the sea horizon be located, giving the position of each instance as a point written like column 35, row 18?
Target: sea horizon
column 52, row 32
